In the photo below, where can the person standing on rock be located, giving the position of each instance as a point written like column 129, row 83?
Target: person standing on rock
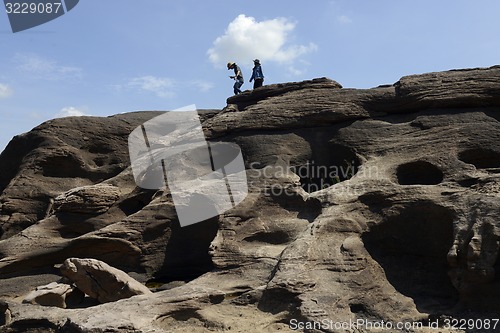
column 257, row 74
column 238, row 77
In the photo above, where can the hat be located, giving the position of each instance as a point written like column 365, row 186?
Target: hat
column 257, row 61
column 230, row 64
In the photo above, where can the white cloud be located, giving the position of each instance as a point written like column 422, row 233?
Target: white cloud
column 42, row 68
column 293, row 71
column 5, row 91
column 246, row 39
column 203, row 86
column 161, row 87
column 71, row 111
column 344, row 19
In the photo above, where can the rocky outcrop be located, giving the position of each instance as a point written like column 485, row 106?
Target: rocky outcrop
column 101, row 281
column 374, row 204
column 321, row 102
column 58, row 156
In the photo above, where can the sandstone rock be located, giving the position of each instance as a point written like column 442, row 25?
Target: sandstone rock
column 56, row 294
column 5, row 314
column 92, row 199
column 458, row 88
column 57, row 156
column 271, row 90
column 322, row 102
column 376, row 204
column 101, row 281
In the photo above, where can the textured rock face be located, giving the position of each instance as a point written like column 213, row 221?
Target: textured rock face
column 93, row 199
column 376, row 204
column 5, row 315
column 55, row 294
column 101, row 281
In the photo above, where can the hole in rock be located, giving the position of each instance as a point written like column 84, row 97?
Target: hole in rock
column 136, row 201
column 187, row 252
column 273, row 237
column 68, row 166
column 330, row 166
column 412, row 247
column 419, row 173
column 33, row 326
column 469, row 182
column 308, row 209
column 279, row 300
column 100, row 161
column 185, row 315
column 481, row 158
column 185, row 320
column 357, row 308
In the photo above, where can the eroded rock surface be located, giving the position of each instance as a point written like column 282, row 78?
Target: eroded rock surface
column 101, row 281
column 55, row 294
column 374, row 204
column 5, row 315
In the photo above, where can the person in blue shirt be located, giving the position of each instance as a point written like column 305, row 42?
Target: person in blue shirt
column 238, row 77
column 257, row 74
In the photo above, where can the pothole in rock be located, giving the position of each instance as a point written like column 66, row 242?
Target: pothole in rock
column 412, row 249
column 187, row 254
column 481, row 158
column 274, row 237
column 63, row 166
column 331, row 166
column 419, row 173
column 358, row 308
column 187, row 320
column 136, row 201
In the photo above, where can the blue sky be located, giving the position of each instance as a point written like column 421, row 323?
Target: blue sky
column 112, row 56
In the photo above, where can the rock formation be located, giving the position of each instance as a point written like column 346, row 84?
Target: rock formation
column 5, row 315
column 57, row 294
column 101, row 281
column 373, row 204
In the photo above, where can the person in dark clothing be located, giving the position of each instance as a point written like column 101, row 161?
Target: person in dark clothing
column 238, row 77
column 257, row 74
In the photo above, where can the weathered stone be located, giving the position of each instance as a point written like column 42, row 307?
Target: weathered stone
column 56, row 294
column 377, row 204
column 101, row 281
column 5, row 314
column 92, row 199
column 58, row 156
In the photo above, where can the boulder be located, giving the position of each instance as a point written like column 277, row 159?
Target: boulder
column 101, row 281
column 91, row 199
column 61, row 295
